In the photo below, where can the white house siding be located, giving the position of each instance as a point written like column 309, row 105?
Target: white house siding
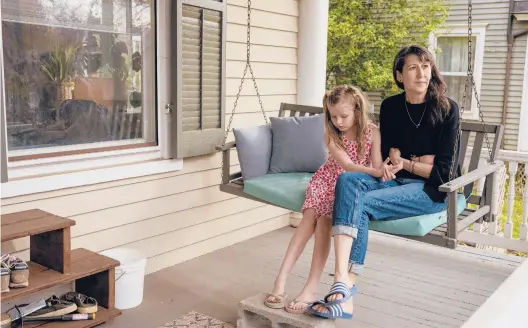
column 173, row 217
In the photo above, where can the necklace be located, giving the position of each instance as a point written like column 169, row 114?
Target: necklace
column 420, row 122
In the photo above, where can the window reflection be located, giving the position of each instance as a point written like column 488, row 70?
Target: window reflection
column 77, row 71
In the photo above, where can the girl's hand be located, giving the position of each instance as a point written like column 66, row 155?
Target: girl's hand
column 395, row 156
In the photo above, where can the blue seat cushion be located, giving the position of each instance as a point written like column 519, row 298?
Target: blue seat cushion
column 287, row 190
column 419, row 225
column 282, row 189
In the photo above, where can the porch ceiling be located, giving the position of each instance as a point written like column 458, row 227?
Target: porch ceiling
column 405, row 284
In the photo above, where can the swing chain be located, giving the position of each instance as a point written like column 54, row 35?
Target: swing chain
column 470, row 82
column 248, row 65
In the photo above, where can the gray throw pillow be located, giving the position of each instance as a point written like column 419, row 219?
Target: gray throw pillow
column 298, row 144
column 253, row 146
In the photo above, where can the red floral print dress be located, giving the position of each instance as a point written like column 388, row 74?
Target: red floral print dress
column 320, row 191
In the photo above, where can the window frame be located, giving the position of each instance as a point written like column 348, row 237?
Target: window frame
column 53, row 173
column 54, row 157
column 85, row 157
column 461, row 30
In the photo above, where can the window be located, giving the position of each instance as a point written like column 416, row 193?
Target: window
column 78, row 75
column 100, row 76
column 452, row 60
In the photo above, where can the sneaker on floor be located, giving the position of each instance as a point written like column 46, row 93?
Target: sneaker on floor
column 19, row 271
column 5, row 277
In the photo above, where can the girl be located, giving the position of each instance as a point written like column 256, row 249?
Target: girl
column 353, row 145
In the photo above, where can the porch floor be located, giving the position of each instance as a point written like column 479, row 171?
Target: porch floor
column 405, row 283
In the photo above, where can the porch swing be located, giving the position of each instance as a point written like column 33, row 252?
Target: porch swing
column 287, row 190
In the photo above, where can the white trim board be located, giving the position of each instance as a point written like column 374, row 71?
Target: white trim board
column 479, row 31
column 522, row 141
column 84, row 178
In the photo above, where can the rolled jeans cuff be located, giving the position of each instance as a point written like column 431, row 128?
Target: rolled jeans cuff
column 345, row 230
column 355, row 268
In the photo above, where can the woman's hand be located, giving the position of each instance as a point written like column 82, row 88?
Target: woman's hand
column 387, row 171
column 395, row 156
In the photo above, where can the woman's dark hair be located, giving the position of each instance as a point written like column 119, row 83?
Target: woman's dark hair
column 436, row 92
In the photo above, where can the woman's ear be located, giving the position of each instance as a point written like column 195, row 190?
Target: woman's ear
column 399, row 77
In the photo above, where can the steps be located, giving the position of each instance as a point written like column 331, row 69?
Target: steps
column 53, row 263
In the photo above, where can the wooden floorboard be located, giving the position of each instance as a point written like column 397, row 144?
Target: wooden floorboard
column 405, row 283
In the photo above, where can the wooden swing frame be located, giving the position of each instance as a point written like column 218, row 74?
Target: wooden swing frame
column 444, row 235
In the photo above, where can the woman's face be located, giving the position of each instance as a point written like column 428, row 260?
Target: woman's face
column 415, row 75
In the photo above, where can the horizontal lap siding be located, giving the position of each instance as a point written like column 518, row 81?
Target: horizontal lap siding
column 495, row 14
column 173, row 217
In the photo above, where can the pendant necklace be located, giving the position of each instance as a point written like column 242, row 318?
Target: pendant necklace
column 420, row 122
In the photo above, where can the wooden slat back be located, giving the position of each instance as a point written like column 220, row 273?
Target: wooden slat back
column 496, row 130
column 464, row 141
column 375, row 118
column 478, row 129
column 301, row 109
column 475, row 158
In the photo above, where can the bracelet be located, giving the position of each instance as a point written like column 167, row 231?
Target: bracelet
column 412, row 167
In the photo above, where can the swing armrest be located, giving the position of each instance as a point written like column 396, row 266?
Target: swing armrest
column 227, row 176
column 227, row 146
column 471, row 177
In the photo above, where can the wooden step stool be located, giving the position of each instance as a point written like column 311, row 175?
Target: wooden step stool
column 53, row 263
column 252, row 313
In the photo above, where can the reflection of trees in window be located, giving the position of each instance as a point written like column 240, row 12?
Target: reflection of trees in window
column 73, row 70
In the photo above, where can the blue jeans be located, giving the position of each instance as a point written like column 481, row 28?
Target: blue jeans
column 360, row 197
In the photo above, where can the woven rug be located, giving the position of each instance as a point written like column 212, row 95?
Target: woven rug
column 196, row 320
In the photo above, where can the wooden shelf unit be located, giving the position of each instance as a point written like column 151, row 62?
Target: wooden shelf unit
column 53, row 263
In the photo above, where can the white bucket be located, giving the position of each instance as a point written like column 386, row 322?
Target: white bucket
column 129, row 276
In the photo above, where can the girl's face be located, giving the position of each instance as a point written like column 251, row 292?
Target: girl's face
column 415, row 75
column 342, row 113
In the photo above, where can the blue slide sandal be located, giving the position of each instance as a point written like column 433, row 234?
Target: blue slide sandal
column 340, row 288
column 336, row 311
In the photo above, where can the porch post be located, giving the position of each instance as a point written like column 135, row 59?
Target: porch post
column 522, row 137
column 311, row 58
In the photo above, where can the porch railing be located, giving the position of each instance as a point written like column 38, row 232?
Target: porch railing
column 510, row 231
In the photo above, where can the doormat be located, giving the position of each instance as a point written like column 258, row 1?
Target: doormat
column 196, row 320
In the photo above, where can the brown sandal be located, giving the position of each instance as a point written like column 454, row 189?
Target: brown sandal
column 85, row 304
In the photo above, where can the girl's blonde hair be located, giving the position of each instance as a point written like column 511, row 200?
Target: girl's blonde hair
column 342, row 93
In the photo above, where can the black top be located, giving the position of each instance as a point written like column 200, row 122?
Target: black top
column 398, row 131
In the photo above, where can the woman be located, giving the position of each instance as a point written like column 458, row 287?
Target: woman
column 418, row 126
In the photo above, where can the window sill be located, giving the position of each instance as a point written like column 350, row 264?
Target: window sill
column 32, row 177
